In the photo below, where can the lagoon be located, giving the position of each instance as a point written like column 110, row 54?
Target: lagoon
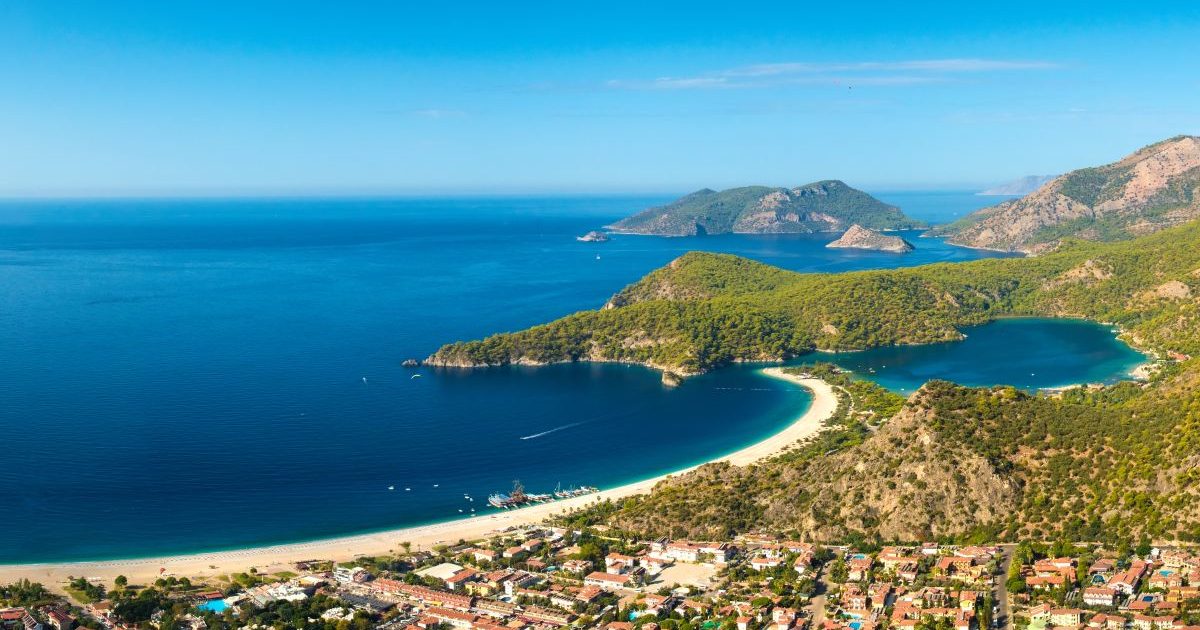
column 1029, row 353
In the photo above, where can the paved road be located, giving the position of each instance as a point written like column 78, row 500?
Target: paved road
column 817, row 603
column 999, row 592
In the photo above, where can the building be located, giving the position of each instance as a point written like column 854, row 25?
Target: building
column 456, row 618
column 1099, row 596
column 685, row 551
column 60, row 619
column 610, row 581
column 351, row 575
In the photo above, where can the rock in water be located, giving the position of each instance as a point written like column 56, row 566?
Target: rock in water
column 411, row 363
column 671, row 379
column 859, row 237
column 595, row 236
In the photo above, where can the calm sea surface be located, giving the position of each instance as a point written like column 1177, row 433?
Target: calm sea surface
column 180, row 376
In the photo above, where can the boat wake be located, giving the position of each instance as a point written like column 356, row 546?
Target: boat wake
column 554, row 430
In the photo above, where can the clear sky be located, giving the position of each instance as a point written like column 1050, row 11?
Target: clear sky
column 256, row 97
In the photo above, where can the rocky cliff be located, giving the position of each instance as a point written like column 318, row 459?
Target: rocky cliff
column 1154, row 188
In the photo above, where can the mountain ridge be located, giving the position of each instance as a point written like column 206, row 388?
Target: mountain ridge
column 1153, row 188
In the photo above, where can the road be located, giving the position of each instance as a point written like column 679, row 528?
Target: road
column 816, row 605
column 999, row 592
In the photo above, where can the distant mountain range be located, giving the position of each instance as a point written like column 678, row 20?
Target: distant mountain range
column 1022, row 186
column 1154, row 188
column 824, row 206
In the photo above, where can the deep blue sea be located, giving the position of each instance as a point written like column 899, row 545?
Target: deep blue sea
column 180, row 376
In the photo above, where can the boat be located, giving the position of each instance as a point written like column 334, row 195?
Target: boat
column 513, row 499
column 391, row 487
column 575, row 492
column 519, row 496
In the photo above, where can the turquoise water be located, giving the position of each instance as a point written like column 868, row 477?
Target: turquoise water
column 214, row 605
column 194, row 375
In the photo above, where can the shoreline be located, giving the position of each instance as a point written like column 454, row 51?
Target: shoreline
column 276, row 558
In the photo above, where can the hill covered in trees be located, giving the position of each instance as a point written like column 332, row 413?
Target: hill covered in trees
column 824, row 206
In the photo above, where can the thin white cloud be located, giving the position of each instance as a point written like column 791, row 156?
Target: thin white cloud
column 727, row 83
column 907, row 72
column 438, row 113
column 917, row 65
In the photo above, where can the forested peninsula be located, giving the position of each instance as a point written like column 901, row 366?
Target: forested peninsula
column 706, row 310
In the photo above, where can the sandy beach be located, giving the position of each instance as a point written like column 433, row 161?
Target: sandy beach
column 282, row 557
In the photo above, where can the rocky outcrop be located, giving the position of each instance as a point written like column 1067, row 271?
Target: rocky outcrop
column 859, row 237
column 595, row 236
column 1155, row 188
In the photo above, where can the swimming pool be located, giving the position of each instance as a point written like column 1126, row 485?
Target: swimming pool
column 214, row 605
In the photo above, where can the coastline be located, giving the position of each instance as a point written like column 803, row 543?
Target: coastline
column 276, row 558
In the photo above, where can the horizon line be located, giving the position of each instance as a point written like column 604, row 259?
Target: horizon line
column 438, row 193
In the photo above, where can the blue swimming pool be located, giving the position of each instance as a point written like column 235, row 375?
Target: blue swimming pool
column 214, row 605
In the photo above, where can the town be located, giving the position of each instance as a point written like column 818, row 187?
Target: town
column 551, row 577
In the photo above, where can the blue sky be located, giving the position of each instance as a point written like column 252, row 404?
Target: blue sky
column 284, row 98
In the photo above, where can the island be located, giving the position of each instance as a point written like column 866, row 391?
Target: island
column 824, row 206
column 859, row 237
column 595, row 236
